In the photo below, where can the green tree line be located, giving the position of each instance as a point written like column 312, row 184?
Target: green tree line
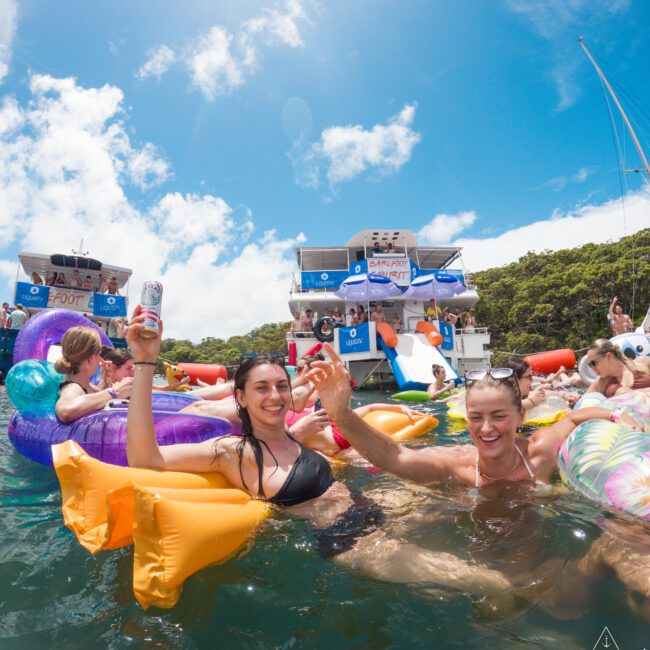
column 542, row 302
column 560, row 299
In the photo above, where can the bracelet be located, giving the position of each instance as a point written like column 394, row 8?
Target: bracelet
column 615, row 416
column 112, row 393
column 144, row 363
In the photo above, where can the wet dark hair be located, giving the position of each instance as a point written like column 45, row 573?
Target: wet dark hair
column 508, row 384
column 117, row 356
column 247, row 434
column 519, row 366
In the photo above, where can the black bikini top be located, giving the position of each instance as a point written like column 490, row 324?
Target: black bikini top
column 69, row 381
column 310, row 477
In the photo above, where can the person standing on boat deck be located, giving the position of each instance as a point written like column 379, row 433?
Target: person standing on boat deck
column 5, row 320
column 376, row 248
column 50, row 278
column 351, row 318
column 113, row 288
column 102, row 285
column 433, row 312
column 620, row 323
column 296, row 324
column 18, row 317
column 307, row 323
column 397, row 323
column 469, row 321
column 339, row 321
column 36, row 278
column 87, row 284
column 378, row 314
column 362, row 317
column 61, row 281
column 75, row 281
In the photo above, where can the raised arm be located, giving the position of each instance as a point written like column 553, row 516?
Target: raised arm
column 610, row 311
column 333, row 384
column 142, row 449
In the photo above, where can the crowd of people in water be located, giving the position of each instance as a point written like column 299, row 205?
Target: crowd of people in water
column 75, row 281
column 284, row 460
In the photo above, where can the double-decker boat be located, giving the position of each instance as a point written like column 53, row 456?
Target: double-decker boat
column 77, row 282
column 369, row 350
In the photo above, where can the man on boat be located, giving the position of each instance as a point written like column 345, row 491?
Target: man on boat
column 4, row 316
column 18, row 317
column 620, row 323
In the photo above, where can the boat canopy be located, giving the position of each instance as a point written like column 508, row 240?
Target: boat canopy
column 46, row 264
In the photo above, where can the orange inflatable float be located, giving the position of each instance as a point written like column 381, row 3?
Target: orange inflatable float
column 209, row 373
column 547, row 362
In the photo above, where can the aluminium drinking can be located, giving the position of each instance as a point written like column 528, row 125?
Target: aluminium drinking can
column 150, row 301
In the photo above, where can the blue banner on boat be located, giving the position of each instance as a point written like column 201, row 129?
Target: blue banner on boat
column 354, row 339
column 358, row 267
column 322, row 279
column 447, row 332
column 108, row 305
column 31, row 295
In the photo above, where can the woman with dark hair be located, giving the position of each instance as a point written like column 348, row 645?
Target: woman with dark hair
column 117, row 363
column 616, row 373
column 268, row 463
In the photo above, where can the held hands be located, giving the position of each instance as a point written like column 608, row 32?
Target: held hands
column 142, row 349
column 332, row 381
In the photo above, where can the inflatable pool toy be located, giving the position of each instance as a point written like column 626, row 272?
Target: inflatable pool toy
column 550, row 361
column 399, row 426
column 635, row 403
column 178, row 522
column 412, row 396
column 209, row 373
column 610, row 464
column 33, row 387
column 549, row 411
column 177, row 379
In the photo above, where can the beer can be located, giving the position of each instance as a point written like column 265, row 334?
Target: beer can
column 151, row 302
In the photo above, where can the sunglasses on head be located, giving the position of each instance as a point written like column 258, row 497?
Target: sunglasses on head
column 496, row 373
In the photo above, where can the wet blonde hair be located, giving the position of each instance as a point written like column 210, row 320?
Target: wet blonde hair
column 508, row 384
column 78, row 344
column 602, row 346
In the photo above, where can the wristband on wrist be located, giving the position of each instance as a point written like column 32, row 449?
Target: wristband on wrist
column 144, row 363
column 112, row 393
column 615, row 416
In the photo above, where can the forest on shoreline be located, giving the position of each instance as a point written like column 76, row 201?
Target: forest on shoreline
column 542, row 302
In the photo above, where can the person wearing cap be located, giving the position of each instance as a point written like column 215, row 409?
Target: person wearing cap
column 18, row 317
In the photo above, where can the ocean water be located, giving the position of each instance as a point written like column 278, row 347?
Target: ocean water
column 282, row 594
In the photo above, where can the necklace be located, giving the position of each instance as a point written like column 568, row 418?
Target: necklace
column 500, row 478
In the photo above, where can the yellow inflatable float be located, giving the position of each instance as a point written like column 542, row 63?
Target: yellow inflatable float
column 549, row 411
column 178, row 522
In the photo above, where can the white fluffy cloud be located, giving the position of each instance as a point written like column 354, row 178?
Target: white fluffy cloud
column 8, row 23
column 65, row 162
column 218, row 61
column 588, row 224
column 344, row 152
column 160, row 60
column 443, row 227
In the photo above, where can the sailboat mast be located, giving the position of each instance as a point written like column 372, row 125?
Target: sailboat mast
column 620, row 108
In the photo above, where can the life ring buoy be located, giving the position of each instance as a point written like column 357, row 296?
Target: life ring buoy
column 318, row 329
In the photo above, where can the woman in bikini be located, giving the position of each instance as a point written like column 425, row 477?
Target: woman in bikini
column 81, row 355
column 616, row 373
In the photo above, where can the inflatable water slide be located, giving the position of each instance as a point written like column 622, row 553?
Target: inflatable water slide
column 412, row 355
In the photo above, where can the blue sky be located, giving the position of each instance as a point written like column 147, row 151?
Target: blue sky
column 199, row 142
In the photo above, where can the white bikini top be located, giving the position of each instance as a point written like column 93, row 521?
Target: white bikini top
column 477, row 475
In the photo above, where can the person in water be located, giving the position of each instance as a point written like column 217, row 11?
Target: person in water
column 494, row 414
column 439, row 386
column 81, row 348
column 268, row 463
column 117, row 364
column 616, row 373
